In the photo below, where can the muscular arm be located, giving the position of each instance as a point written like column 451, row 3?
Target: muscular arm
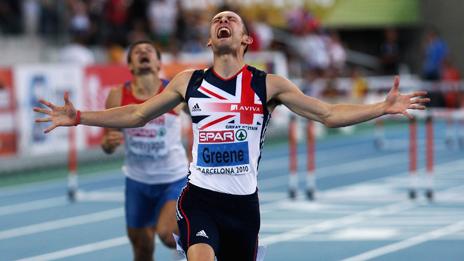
column 282, row 91
column 129, row 116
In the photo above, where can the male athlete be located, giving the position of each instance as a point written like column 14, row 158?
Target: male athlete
column 230, row 104
column 155, row 162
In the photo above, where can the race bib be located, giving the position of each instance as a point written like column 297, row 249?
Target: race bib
column 223, row 158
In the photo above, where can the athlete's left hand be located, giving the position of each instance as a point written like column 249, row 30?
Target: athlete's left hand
column 399, row 103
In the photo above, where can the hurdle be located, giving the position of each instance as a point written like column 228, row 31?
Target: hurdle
column 311, row 164
column 413, row 158
column 413, row 155
column 429, row 156
column 429, row 150
column 293, row 153
column 72, row 165
column 293, row 159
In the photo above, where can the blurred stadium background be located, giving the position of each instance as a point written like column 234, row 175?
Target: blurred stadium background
column 335, row 50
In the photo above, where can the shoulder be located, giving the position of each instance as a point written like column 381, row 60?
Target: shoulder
column 277, row 85
column 277, row 81
column 185, row 75
column 179, row 83
column 182, row 78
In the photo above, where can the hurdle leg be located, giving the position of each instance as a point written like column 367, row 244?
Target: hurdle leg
column 412, row 193
column 292, row 141
column 310, row 178
column 72, row 165
column 429, row 157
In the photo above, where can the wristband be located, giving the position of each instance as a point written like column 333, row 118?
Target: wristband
column 77, row 120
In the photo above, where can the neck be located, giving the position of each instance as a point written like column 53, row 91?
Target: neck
column 227, row 65
column 145, row 86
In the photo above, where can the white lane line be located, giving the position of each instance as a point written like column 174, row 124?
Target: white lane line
column 89, row 178
column 61, row 223
column 111, row 194
column 88, row 248
column 336, row 223
column 101, row 196
column 351, row 219
column 114, row 242
column 410, row 242
column 33, row 205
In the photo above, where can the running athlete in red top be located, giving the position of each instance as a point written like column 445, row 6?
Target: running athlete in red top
column 155, row 162
column 230, row 104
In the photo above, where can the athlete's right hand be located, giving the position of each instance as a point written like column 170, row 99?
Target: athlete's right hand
column 59, row 116
column 111, row 140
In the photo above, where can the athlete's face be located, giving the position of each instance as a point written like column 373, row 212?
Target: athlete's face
column 227, row 33
column 144, row 59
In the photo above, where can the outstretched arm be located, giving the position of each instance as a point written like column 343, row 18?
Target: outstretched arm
column 134, row 115
column 339, row 115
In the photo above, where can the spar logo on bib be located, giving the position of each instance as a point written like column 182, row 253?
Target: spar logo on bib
column 222, row 155
column 216, row 136
column 241, row 135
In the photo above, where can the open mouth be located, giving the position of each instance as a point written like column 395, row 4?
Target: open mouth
column 223, row 32
column 144, row 60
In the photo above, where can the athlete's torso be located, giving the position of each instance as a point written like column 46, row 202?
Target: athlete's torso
column 229, row 120
column 154, row 152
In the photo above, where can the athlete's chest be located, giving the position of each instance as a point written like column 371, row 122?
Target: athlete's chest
column 227, row 103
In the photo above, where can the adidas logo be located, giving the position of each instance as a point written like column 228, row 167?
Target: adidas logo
column 201, row 233
column 196, row 107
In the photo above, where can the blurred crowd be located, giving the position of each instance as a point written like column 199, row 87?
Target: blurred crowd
column 313, row 51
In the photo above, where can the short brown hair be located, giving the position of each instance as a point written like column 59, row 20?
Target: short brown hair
column 245, row 30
